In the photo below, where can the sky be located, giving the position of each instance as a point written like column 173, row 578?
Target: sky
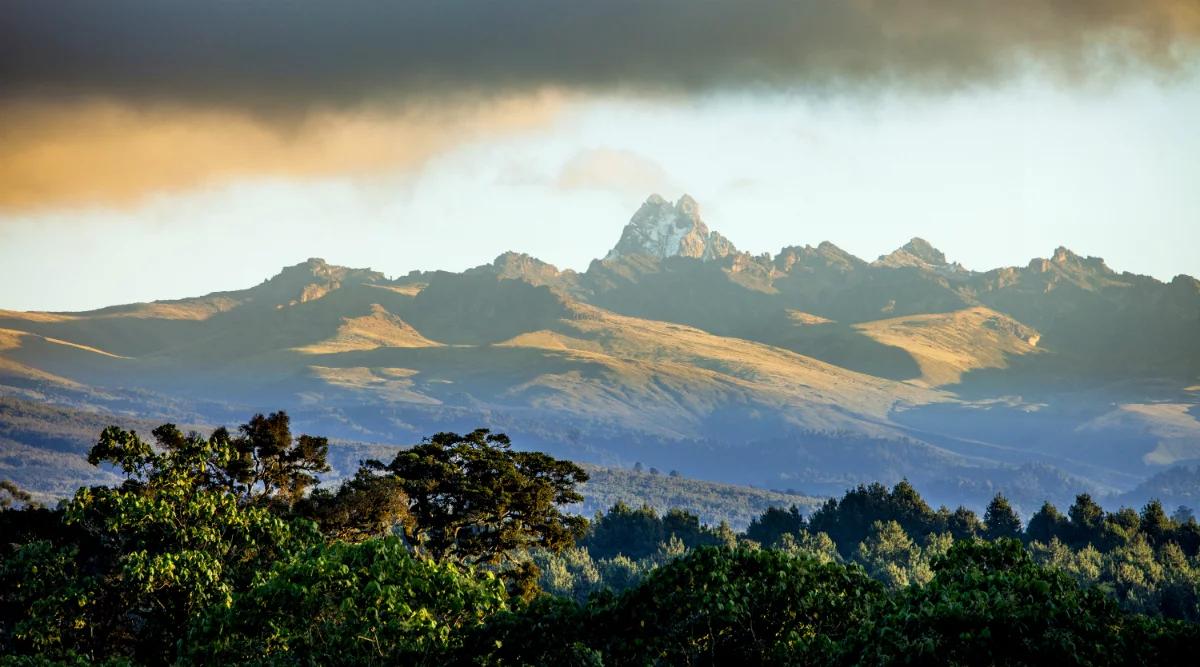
column 169, row 149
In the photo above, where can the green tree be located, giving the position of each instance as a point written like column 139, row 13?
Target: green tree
column 48, row 605
column 1087, row 522
column 370, row 504
column 890, row 555
column 719, row 606
column 571, row 573
column 1000, row 520
column 620, row 572
column 268, row 465
column 774, row 523
column 963, row 523
column 348, row 603
column 1179, row 592
column 686, row 526
column 850, row 520
column 1135, row 574
column 632, row 532
column 1121, row 528
column 636, row 533
column 816, row 545
column 1155, row 524
column 1047, row 524
column 548, row 632
column 150, row 553
column 474, row 499
column 989, row 603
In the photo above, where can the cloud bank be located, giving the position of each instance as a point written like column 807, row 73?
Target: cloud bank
column 273, row 67
column 311, row 51
column 108, row 153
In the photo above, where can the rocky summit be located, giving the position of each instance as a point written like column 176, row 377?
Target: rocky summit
column 660, row 230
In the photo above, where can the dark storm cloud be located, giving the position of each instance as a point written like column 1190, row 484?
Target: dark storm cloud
column 263, row 54
column 108, row 101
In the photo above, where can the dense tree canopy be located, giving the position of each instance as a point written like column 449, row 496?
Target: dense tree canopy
column 139, row 561
column 222, row 550
column 990, row 603
column 850, row 520
column 363, row 603
column 638, row 533
column 774, row 524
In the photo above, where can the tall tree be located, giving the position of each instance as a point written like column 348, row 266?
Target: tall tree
column 1000, row 520
column 963, row 523
column 1046, row 524
column 774, row 523
column 473, row 498
column 263, row 463
column 1155, row 524
column 1087, row 521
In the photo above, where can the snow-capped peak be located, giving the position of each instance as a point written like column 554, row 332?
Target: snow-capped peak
column 662, row 230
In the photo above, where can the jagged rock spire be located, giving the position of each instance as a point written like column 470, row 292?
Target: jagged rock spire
column 661, row 229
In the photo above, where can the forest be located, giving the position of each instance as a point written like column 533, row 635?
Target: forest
column 226, row 549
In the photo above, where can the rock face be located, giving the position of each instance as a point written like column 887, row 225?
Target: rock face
column 916, row 253
column 661, row 230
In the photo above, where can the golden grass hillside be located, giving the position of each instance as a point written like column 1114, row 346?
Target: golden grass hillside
column 948, row 345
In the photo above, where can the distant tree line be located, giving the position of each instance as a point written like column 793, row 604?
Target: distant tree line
column 226, row 550
column 1148, row 561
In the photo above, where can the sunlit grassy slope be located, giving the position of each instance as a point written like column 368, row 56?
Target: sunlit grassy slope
column 948, row 345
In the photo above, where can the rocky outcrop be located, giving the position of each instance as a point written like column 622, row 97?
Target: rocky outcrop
column 660, row 229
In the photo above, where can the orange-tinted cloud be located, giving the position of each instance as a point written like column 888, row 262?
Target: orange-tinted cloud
column 106, row 152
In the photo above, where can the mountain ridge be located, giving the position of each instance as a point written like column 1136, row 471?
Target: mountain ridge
column 676, row 346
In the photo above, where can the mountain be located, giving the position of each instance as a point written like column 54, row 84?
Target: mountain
column 810, row 368
column 660, row 230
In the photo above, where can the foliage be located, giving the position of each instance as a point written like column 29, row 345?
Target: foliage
column 268, row 465
column 774, row 524
column 637, row 533
column 348, row 603
column 1148, row 562
column 203, row 555
column 892, row 557
column 263, row 464
column 990, row 603
column 472, row 498
column 549, row 631
column 721, row 606
column 1001, row 520
column 145, row 557
column 46, row 601
column 1046, row 524
column 370, row 504
column 713, row 606
column 850, row 520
